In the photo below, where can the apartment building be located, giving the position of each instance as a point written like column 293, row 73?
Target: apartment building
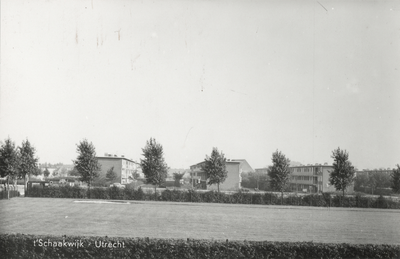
column 311, row 178
column 123, row 167
column 233, row 181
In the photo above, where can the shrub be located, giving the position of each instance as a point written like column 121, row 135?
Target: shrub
column 30, row 246
column 241, row 197
column 13, row 193
column 115, row 193
column 139, row 194
column 193, row 196
column 271, row 199
column 173, row 195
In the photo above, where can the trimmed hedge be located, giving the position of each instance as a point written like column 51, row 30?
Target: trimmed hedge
column 115, row 193
column 31, row 246
column 13, row 193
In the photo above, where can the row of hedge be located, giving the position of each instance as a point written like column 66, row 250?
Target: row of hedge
column 31, row 246
column 114, row 193
column 13, row 193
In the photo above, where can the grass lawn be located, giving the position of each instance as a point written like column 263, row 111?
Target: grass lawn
column 198, row 220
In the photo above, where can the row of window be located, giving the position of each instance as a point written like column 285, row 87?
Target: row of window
column 197, row 173
column 306, row 169
column 128, row 163
column 302, row 178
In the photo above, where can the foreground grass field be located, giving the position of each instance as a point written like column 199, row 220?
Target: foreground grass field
column 200, row 221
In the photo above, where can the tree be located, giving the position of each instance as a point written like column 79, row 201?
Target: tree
column 177, row 178
column 9, row 161
column 134, row 175
column 360, row 182
column 378, row 179
column 214, row 168
column 86, row 163
column 343, row 171
column 279, row 173
column 256, row 180
column 153, row 165
column 111, row 174
column 395, row 177
column 27, row 162
column 260, row 178
column 46, row 172
column 74, row 172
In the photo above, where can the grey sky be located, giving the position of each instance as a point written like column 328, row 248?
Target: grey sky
column 248, row 77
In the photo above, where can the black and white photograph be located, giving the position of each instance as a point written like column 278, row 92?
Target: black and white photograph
column 199, row 129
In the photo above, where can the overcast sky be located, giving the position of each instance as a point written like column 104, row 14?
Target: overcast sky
column 247, row 77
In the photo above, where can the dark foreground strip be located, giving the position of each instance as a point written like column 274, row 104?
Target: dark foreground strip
column 31, row 246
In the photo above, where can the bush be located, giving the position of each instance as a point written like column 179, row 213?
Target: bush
column 241, row 197
column 13, row 193
column 173, row 195
column 30, row 246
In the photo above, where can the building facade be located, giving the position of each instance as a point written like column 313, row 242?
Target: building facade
column 311, row 178
column 368, row 172
column 233, row 181
column 123, row 167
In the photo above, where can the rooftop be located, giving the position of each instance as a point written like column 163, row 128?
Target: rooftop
column 110, row 156
column 312, row 165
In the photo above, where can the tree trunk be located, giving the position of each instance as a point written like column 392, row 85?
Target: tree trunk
column 343, row 198
column 281, row 197
column 26, row 185
column 89, row 190
column 8, row 189
column 15, row 186
column 155, row 192
column 218, row 187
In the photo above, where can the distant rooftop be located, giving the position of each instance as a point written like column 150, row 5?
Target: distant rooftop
column 308, row 165
column 111, row 156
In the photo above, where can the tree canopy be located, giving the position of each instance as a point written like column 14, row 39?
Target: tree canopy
column 279, row 173
column 343, row 171
column 86, row 163
column 9, row 160
column 153, row 164
column 395, row 178
column 111, row 175
column 215, row 168
column 46, row 172
column 177, row 177
column 256, row 180
column 27, row 161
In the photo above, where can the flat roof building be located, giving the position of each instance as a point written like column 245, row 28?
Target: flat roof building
column 123, row 167
column 233, row 181
column 312, row 178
